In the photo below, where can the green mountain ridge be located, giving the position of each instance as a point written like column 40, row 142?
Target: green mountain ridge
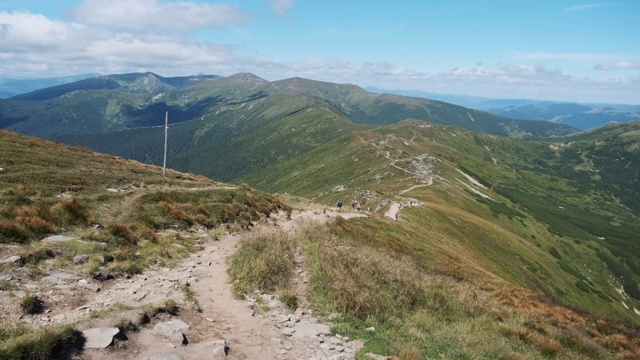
column 119, row 102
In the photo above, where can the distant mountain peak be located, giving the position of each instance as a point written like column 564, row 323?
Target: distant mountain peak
column 246, row 77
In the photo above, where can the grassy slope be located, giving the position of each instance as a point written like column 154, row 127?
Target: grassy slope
column 67, row 186
column 448, row 279
column 510, row 237
column 48, row 188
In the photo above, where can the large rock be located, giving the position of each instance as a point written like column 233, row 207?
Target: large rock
column 80, row 259
column 62, row 277
column 211, row 350
column 87, row 285
column 12, row 259
column 305, row 330
column 59, row 238
column 172, row 330
column 99, row 338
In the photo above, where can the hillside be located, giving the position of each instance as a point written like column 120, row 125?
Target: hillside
column 235, row 141
column 464, row 271
column 566, row 214
column 73, row 222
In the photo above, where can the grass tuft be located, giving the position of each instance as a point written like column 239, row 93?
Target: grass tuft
column 263, row 262
column 30, row 304
column 124, row 236
column 12, row 232
column 289, row 299
column 169, row 307
column 38, row 344
column 190, row 296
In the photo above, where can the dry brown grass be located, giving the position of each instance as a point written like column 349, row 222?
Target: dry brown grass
column 409, row 352
column 70, row 211
column 11, row 231
column 123, row 232
column 618, row 342
column 22, row 190
column 548, row 346
column 553, row 327
column 37, row 224
column 173, row 210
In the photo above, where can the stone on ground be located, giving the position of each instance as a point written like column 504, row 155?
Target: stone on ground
column 172, row 330
column 62, row 277
column 59, row 238
column 305, row 330
column 99, row 338
column 213, row 350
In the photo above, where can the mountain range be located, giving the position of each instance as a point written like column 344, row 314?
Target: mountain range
column 581, row 116
column 117, row 102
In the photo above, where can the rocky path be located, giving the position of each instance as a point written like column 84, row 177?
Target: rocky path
column 392, row 213
column 247, row 331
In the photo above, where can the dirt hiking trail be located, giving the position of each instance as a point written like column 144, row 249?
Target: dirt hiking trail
column 247, row 331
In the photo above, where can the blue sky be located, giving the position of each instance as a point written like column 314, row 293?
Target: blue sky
column 553, row 50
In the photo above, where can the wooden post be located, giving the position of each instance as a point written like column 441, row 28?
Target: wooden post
column 166, row 130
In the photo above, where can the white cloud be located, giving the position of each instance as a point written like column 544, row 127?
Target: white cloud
column 140, row 15
column 282, row 7
column 32, row 45
column 27, row 32
column 619, row 65
column 507, row 74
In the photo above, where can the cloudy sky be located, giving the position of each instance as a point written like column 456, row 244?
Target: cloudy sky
column 537, row 49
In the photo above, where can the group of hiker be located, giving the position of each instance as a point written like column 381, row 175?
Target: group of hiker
column 354, row 206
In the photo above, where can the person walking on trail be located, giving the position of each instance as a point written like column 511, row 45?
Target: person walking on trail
column 340, row 206
column 353, row 206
